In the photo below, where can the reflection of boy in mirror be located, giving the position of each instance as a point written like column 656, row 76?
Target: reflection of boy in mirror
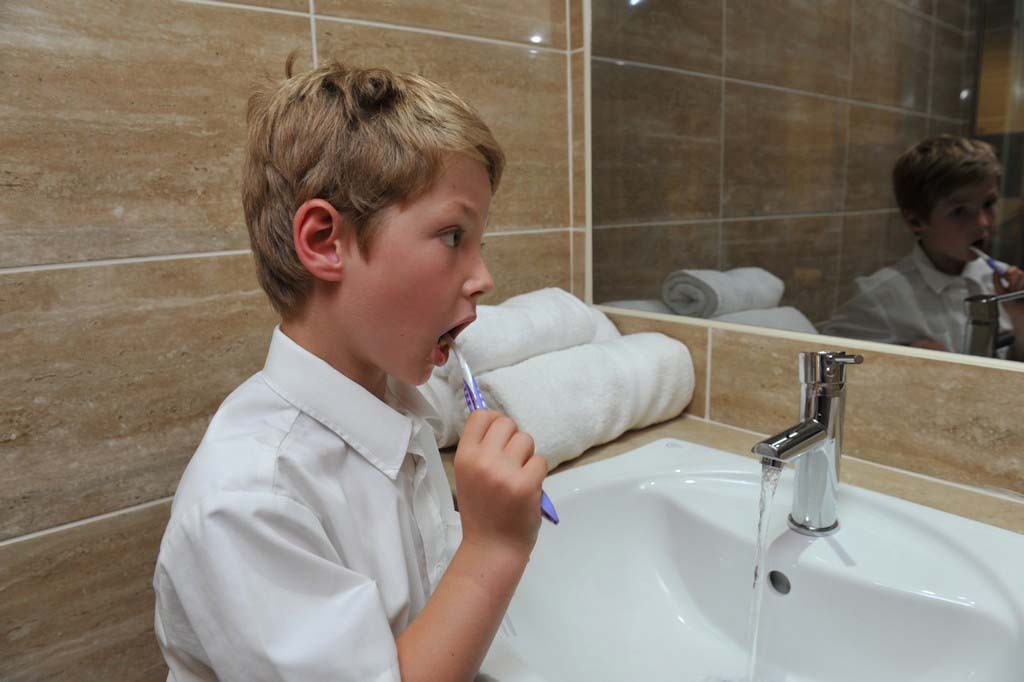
column 947, row 189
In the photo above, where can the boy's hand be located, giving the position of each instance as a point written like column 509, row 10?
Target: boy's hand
column 1014, row 282
column 498, row 482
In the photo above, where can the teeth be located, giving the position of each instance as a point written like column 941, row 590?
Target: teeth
column 445, row 342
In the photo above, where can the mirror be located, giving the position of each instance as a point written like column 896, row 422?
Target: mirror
column 754, row 141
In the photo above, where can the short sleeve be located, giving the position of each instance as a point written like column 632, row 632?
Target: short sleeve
column 268, row 596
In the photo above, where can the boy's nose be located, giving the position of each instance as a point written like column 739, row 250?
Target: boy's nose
column 479, row 282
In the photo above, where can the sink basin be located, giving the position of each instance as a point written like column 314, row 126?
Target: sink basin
column 649, row 577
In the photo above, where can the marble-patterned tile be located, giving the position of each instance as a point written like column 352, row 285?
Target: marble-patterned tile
column 78, row 602
column 119, row 368
column 632, row 262
column 784, row 152
column 684, row 34
column 998, row 52
column 802, row 252
column 288, row 5
column 656, row 144
column 937, row 418
column 951, row 73
column 790, row 43
column 877, row 138
column 579, row 142
column 129, row 119
column 921, row 414
column 524, row 262
column 575, row 24
column 520, row 93
column 694, row 336
column 953, row 12
column 539, row 22
column 891, row 55
column 579, row 263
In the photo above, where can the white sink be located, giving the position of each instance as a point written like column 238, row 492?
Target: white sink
column 649, row 577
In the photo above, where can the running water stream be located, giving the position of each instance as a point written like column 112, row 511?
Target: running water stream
column 769, row 482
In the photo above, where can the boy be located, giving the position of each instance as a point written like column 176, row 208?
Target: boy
column 312, row 536
column 947, row 189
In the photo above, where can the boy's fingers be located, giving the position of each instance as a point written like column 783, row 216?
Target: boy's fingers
column 500, row 432
column 520, row 447
column 478, row 424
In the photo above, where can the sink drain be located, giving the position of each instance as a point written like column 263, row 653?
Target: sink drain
column 779, row 582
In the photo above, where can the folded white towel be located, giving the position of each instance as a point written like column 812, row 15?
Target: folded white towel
column 786, row 317
column 523, row 326
column 501, row 336
column 707, row 293
column 576, row 398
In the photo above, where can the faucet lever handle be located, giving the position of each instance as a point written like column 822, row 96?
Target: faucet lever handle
column 826, row 367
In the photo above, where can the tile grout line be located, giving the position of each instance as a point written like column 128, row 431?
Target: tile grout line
column 777, row 88
column 846, row 161
column 312, row 33
column 131, row 260
column 707, row 378
column 735, row 219
column 569, row 148
column 721, row 147
column 81, row 522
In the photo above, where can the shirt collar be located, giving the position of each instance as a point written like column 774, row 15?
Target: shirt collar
column 937, row 280
column 379, row 431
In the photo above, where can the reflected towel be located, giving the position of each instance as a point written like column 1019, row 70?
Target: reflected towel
column 576, row 398
column 786, row 317
column 708, row 293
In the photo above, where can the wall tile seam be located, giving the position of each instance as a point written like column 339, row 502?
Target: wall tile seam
column 533, row 47
column 921, row 15
column 132, row 260
column 376, row 24
column 779, row 88
column 71, row 525
column 741, row 219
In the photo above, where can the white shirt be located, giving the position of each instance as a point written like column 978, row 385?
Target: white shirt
column 307, row 531
column 912, row 300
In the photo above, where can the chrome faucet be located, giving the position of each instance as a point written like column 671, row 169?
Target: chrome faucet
column 816, row 443
column 983, row 322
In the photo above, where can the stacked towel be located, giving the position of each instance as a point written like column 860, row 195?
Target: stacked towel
column 519, row 328
column 576, row 398
column 710, row 293
column 787, row 317
column 523, row 326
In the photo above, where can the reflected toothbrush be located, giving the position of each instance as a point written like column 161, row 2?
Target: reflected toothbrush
column 991, row 262
column 475, row 401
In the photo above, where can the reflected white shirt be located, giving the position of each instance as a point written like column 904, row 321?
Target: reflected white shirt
column 912, row 300
column 307, row 531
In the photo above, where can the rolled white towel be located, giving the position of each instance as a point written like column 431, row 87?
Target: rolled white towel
column 708, row 293
column 583, row 396
column 785, row 317
column 537, row 322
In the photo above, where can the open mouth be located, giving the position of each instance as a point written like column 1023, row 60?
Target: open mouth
column 445, row 341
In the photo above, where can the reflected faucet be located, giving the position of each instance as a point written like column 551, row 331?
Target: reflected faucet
column 983, row 322
column 816, row 443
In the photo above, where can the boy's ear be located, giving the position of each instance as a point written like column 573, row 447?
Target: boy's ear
column 915, row 224
column 319, row 233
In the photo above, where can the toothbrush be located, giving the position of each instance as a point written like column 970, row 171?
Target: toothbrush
column 475, row 401
column 999, row 269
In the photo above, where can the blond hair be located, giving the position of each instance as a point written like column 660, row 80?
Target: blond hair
column 935, row 168
column 363, row 139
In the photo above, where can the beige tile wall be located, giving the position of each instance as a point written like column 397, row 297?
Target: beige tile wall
column 785, row 112
column 128, row 304
column 920, row 411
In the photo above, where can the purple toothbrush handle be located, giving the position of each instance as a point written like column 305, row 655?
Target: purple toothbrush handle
column 475, row 401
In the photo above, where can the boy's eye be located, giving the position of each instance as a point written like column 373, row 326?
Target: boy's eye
column 958, row 212
column 452, row 238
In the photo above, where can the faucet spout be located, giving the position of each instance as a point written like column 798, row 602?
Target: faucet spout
column 815, row 443
column 791, row 443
